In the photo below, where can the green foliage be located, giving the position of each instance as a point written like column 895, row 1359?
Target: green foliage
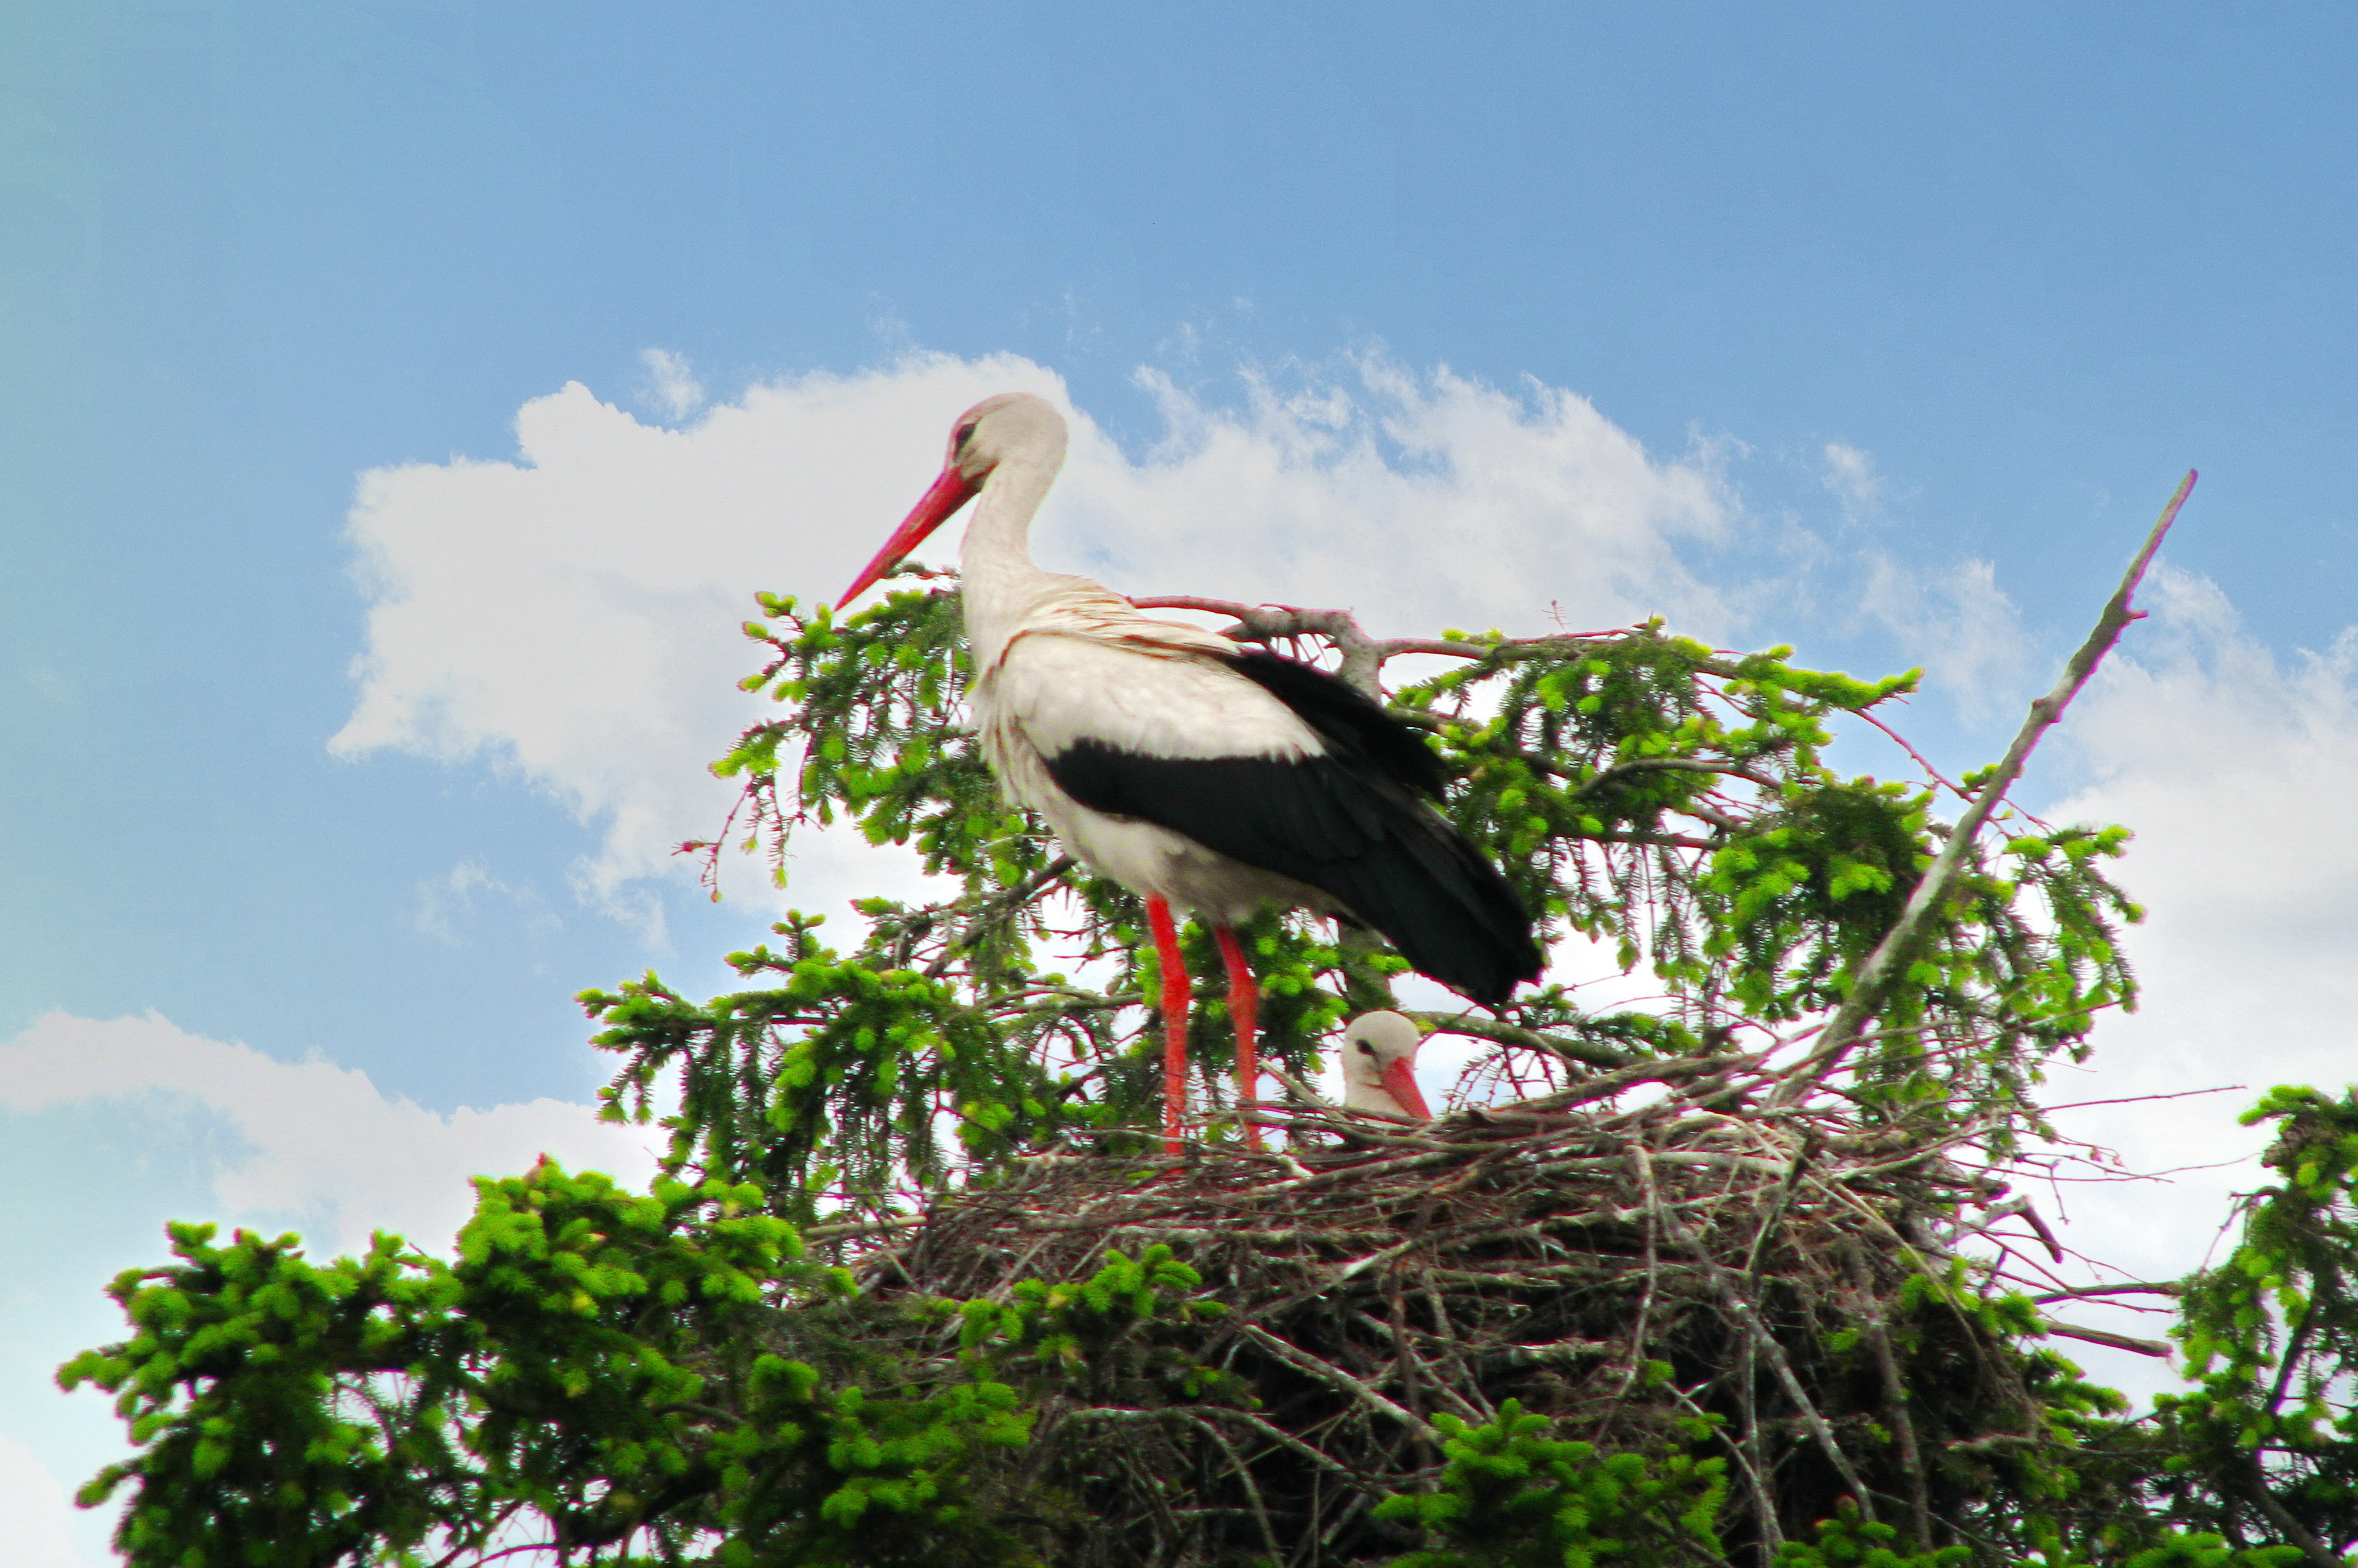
column 293, row 1414
column 1638, row 788
column 610, row 1370
column 2201, row 1550
column 1085, row 1333
column 2268, row 1441
column 834, row 1077
column 614, row 1377
column 1849, row 1541
column 1513, row 1496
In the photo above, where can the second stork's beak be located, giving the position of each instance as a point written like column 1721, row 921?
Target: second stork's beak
column 949, row 492
column 1400, row 1080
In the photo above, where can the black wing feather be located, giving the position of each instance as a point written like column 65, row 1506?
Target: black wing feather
column 1352, row 822
column 1350, row 722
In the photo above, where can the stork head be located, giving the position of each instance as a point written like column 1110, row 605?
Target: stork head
column 1012, row 427
column 1380, row 1066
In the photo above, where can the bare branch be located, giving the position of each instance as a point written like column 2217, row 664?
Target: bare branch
column 1871, row 983
column 1328, row 1372
column 2084, row 1292
column 1499, row 1033
column 2160, row 1349
column 1739, row 1307
column 2256, row 1481
column 1897, row 1413
column 1266, row 622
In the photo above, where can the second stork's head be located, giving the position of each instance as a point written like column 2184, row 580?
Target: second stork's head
column 1013, row 429
column 1380, row 1066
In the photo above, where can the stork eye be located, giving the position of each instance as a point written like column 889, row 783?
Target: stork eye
column 1366, row 1049
column 965, row 433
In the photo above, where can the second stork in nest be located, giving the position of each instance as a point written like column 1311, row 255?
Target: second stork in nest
column 1379, row 1067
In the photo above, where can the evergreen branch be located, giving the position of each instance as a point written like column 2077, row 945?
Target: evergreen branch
column 995, row 909
column 1921, row 761
column 1655, row 765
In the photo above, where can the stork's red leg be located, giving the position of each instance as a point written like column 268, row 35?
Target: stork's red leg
column 1175, row 998
column 1244, row 1006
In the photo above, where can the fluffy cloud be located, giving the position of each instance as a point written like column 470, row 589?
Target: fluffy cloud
column 45, row 1531
column 1956, row 623
column 2220, row 754
column 443, row 900
column 670, row 389
column 1850, row 474
column 325, row 1152
column 572, row 615
column 1415, row 500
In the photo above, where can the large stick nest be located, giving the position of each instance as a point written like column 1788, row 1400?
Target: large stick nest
column 1624, row 1272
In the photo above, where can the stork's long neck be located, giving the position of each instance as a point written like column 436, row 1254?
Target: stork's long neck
column 1000, row 583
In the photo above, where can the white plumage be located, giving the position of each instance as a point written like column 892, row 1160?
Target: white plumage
column 1053, row 691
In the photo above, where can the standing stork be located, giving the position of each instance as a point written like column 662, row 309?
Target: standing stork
column 1192, row 772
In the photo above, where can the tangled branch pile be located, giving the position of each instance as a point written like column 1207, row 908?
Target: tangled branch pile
column 1673, row 1279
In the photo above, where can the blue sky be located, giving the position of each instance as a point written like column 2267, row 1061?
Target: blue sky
column 1932, row 305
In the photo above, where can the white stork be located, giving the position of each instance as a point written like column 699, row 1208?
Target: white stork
column 1192, row 771
column 1379, row 1067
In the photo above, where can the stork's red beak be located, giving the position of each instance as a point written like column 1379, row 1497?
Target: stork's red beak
column 949, row 492
column 1400, row 1081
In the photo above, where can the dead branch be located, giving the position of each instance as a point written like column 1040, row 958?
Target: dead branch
column 1871, row 985
column 2160, row 1349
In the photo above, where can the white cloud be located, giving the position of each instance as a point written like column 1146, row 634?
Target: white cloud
column 2229, row 763
column 572, row 616
column 43, row 1523
column 327, row 1153
column 1417, row 501
column 444, row 900
column 671, row 390
column 1956, row 623
column 1850, row 474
